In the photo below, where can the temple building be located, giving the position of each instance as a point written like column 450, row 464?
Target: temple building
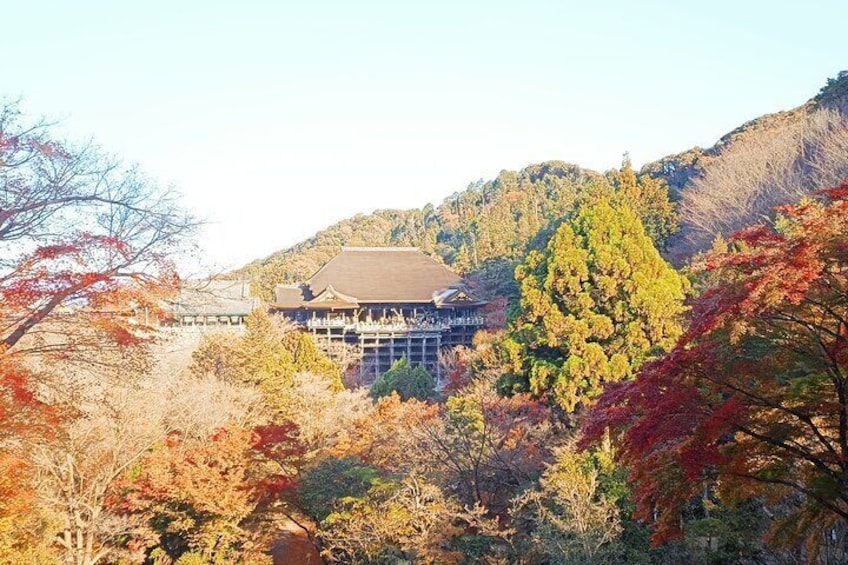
column 205, row 304
column 385, row 303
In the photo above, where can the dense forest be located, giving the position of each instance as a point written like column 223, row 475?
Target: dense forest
column 664, row 379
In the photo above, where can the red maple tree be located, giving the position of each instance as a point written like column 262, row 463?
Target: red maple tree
column 753, row 401
column 82, row 237
column 83, row 241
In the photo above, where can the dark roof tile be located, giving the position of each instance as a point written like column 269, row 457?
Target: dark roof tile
column 384, row 274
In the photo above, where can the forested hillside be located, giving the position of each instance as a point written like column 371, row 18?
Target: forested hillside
column 484, row 229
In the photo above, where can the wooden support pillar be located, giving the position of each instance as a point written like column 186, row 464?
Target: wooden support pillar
column 424, row 351
column 377, row 356
column 361, row 356
column 438, row 365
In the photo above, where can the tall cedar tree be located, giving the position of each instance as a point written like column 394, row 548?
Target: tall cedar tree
column 648, row 197
column 754, row 398
column 594, row 306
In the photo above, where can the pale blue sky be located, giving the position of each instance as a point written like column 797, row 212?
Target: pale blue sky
column 276, row 119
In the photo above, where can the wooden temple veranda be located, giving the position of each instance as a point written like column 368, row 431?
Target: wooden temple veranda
column 385, row 303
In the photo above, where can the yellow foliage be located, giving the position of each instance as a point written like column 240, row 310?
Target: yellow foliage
column 595, row 306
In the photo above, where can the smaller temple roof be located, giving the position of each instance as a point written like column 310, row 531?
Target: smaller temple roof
column 455, row 296
column 214, row 298
column 229, row 289
column 333, row 299
column 289, row 295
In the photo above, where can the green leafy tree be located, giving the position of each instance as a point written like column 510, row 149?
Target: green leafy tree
column 406, row 380
column 572, row 517
column 324, row 487
column 594, row 306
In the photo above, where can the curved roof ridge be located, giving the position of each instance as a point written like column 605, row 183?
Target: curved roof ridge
column 386, row 248
column 332, row 290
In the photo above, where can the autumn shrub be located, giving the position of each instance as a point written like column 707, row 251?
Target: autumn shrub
column 407, row 520
column 325, row 417
column 572, row 517
column 199, row 497
column 390, row 437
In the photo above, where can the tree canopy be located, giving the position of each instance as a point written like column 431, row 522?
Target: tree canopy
column 597, row 303
column 83, row 240
column 406, row 380
column 81, row 233
column 269, row 355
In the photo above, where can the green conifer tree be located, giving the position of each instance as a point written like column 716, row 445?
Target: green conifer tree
column 266, row 360
column 406, row 380
column 648, row 198
column 308, row 359
column 594, row 306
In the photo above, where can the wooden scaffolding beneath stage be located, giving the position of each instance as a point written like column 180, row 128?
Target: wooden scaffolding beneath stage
column 378, row 345
column 379, row 350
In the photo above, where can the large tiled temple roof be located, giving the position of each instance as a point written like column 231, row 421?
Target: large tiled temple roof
column 372, row 275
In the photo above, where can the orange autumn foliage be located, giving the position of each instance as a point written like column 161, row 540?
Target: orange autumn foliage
column 198, row 495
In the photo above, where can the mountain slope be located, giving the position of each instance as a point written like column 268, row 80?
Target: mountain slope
column 484, row 229
column 772, row 160
column 679, row 169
